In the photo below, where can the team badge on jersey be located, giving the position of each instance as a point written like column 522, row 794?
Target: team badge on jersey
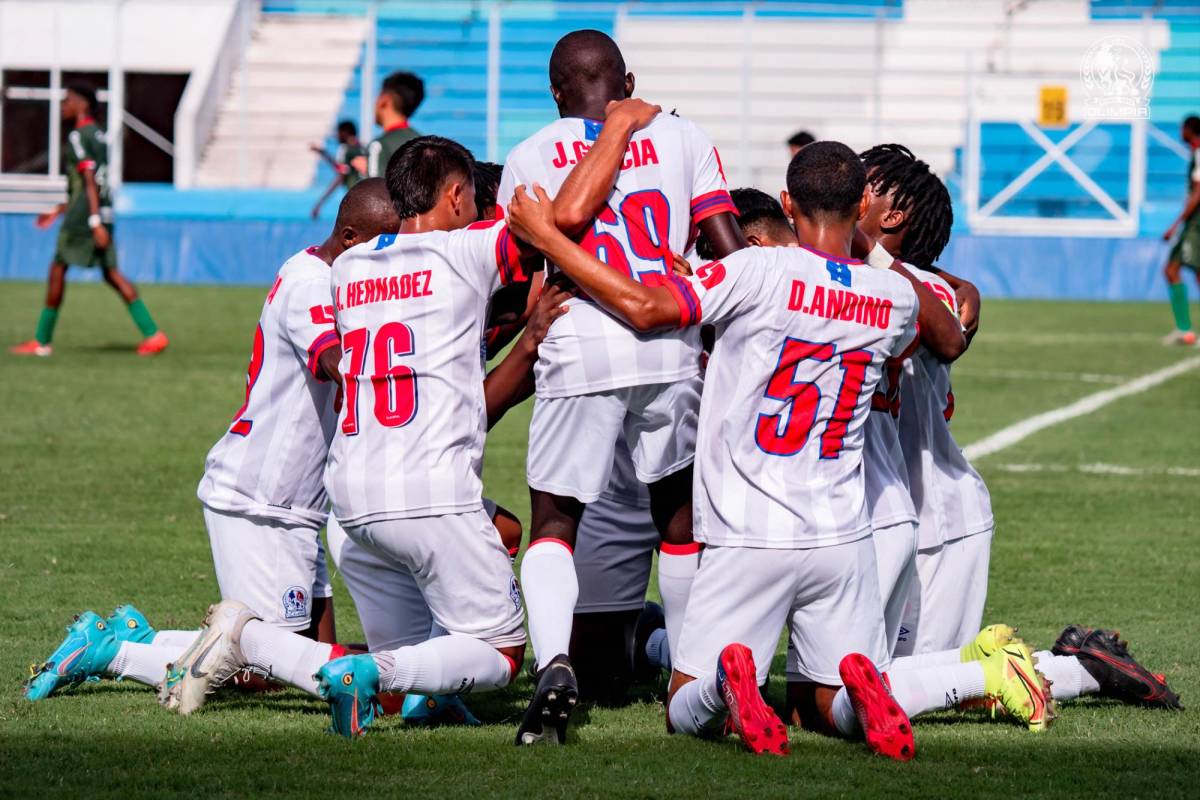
column 514, row 593
column 295, row 603
column 838, row 272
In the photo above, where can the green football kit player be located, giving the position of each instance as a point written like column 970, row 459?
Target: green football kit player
column 86, row 236
column 399, row 98
column 1185, row 252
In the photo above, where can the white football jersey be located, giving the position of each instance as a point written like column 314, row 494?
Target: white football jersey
column 670, row 181
column 888, row 496
column 271, row 460
column 951, row 499
column 801, row 343
column 410, row 312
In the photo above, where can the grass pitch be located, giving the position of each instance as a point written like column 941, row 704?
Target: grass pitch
column 100, row 452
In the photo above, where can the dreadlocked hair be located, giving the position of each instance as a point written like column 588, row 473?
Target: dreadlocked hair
column 919, row 193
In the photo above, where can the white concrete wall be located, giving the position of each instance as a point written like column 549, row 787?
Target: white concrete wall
column 155, row 35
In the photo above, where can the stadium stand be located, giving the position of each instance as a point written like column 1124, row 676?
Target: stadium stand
column 282, row 98
column 917, row 44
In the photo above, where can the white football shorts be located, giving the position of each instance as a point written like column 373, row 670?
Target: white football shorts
column 460, row 568
column 827, row 596
column 945, row 602
column 896, row 557
column 274, row 567
column 572, row 440
column 389, row 602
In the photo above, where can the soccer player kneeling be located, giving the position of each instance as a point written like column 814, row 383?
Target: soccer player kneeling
column 780, row 498
column 404, row 465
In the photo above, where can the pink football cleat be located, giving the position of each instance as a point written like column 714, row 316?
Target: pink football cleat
column 153, row 345
column 31, row 348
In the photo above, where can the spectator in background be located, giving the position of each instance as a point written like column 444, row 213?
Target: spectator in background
column 398, row 100
column 797, row 140
column 342, row 161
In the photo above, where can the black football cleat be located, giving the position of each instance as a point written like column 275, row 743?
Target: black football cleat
column 649, row 620
column 545, row 720
column 1108, row 661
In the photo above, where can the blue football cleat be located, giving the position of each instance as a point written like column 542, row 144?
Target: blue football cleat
column 437, row 709
column 89, row 647
column 350, row 685
column 130, row 625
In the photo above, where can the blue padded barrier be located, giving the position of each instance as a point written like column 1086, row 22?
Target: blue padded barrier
column 157, row 250
column 249, row 251
column 1060, row 268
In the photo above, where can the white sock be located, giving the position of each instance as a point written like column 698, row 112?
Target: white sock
column 658, row 650
column 445, row 665
column 923, row 660
column 551, row 588
column 934, row 688
column 698, row 708
column 144, row 663
column 843, row 715
column 1068, row 679
column 182, row 639
column 676, row 571
column 285, row 656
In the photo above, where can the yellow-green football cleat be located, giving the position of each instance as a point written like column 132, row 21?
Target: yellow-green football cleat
column 988, row 641
column 1012, row 682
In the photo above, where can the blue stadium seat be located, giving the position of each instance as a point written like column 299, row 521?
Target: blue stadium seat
column 447, row 46
column 1134, row 9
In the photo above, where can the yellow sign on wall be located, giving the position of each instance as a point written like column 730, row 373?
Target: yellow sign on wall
column 1052, row 108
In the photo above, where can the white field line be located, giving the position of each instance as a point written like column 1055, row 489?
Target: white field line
column 1040, row 375
column 1006, row 437
column 1103, row 469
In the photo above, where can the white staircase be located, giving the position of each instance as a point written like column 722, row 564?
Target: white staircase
column 861, row 81
column 31, row 194
column 285, row 95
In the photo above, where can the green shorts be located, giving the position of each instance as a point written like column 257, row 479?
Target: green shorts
column 78, row 249
column 1187, row 248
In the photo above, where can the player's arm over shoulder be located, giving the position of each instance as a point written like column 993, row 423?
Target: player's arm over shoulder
column 644, row 308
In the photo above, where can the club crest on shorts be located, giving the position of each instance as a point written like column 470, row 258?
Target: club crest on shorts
column 514, row 592
column 295, row 603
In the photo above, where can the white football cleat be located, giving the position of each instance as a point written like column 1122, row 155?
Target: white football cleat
column 212, row 659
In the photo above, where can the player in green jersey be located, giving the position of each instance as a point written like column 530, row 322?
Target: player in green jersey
column 1185, row 252
column 342, row 161
column 398, row 100
column 86, row 236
